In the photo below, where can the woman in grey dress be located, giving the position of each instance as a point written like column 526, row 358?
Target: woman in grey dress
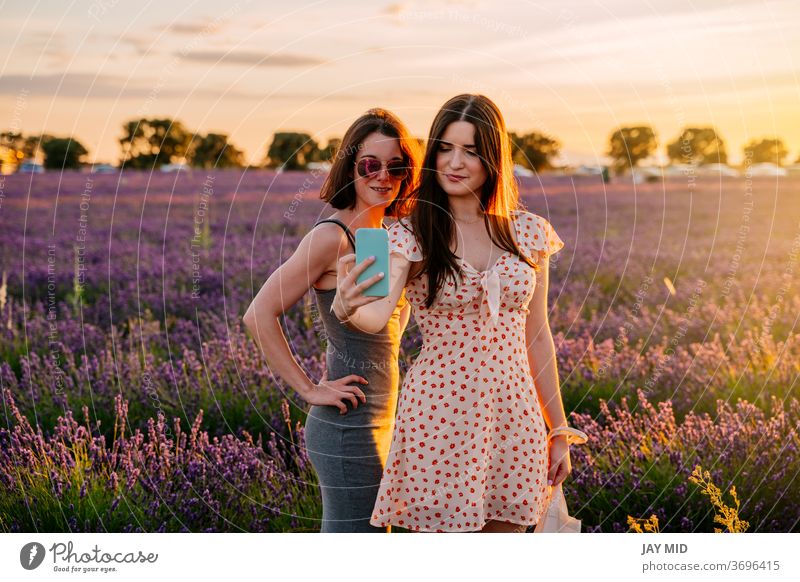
column 349, row 425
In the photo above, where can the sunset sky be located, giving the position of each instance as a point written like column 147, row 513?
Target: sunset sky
column 572, row 69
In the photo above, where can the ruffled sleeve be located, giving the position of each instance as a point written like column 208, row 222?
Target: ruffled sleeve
column 403, row 241
column 538, row 234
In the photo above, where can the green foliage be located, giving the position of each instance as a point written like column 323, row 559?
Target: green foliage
column 25, row 146
column 152, row 143
column 214, row 151
column 766, row 150
column 63, row 153
column 327, row 153
column 534, row 150
column 291, row 150
column 698, row 145
column 629, row 145
column 57, row 152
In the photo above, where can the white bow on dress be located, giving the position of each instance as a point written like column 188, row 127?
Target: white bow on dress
column 490, row 283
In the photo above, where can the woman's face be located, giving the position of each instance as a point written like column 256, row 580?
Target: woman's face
column 379, row 188
column 459, row 170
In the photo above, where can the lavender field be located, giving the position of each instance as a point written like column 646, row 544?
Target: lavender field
column 133, row 400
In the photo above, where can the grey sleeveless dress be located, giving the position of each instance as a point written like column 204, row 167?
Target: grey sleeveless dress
column 348, row 452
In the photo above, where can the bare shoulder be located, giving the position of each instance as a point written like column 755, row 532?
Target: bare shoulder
column 327, row 241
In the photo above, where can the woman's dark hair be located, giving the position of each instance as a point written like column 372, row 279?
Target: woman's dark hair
column 338, row 189
column 431, row 219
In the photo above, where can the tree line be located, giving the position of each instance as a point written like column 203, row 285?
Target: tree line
column 695, row 145
column 152, row 143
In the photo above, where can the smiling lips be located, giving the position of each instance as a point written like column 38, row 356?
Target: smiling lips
column 381, row 189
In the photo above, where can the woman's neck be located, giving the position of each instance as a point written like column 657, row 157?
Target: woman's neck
column 362, row 217
column 465, row 208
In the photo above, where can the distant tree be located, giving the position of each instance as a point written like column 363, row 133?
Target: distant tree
column 766, row 150
column 214, row 151
column 18, row 147
column 698, row 145
column 26, row 145
column 291, row 150
column 11, row 140
column 534, row 150
column 12, row 146
column 34, row 144
column 62, row 153
column 629, row 145
column 151, row 143
column 327, row 153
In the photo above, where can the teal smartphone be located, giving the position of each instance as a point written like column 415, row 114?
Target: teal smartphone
column 374, row 242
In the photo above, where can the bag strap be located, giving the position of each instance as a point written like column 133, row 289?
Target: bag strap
column 346, row 230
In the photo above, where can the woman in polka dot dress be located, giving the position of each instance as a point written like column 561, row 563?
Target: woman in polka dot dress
column 469, row 450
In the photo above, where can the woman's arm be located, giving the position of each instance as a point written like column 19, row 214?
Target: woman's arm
column 542, row 361
column 542, row 351
column 405, row 315
column 284, row 288
column 368, row 314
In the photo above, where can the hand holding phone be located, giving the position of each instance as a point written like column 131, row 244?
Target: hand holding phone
column 373, row 242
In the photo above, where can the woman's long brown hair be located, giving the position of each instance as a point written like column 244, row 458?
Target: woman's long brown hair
column 338, row 189
column 431, row 219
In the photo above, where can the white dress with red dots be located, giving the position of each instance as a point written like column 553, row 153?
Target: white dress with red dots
column 470, row 441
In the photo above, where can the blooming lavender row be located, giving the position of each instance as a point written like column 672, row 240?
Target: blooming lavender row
column 133, row 286
column 158, row 480
column 228, row 379
column 638, row 461
column 105, row 249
